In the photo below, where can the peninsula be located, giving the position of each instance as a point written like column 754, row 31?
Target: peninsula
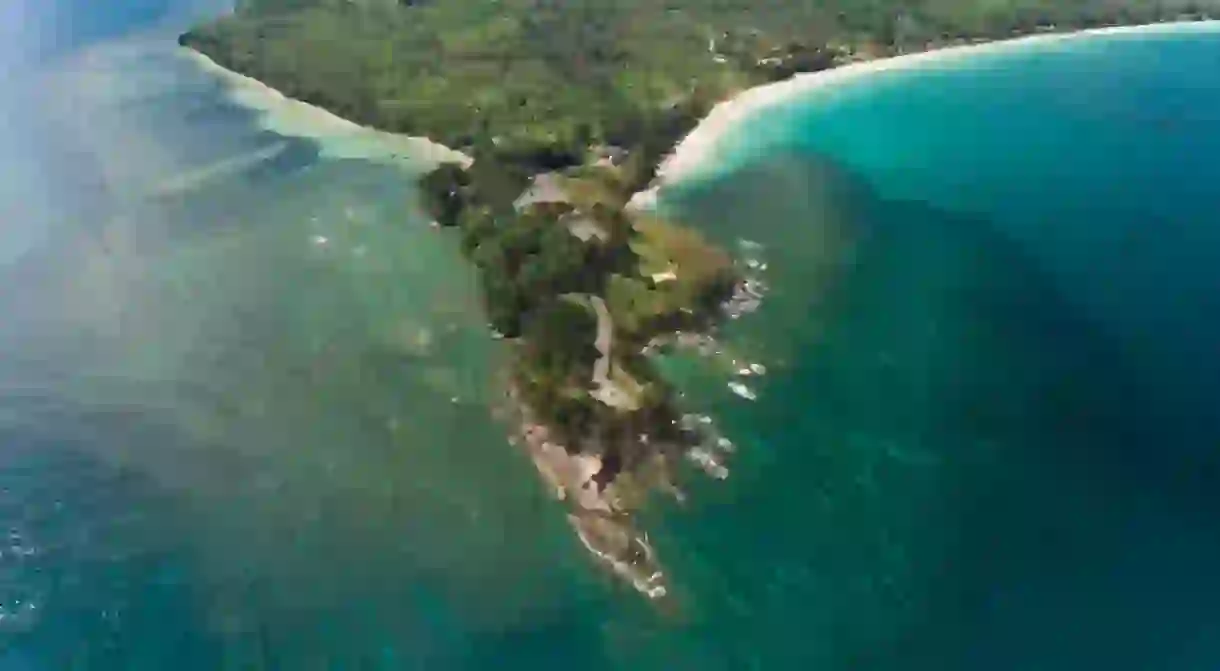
column 563, row 111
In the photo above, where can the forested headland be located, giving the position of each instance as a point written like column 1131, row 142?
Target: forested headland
column 567, row 107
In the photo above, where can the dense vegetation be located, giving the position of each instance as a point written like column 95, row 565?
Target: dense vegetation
column 536, row 274
column 561, row 74
column 566, row 107
column 546, row 79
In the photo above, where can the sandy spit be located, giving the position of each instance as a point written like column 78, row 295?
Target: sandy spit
column 338, row 137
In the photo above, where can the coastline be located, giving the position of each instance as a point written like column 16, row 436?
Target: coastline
column 702, row 149
column 694, row 156
column 337, row 137
column 598, row 515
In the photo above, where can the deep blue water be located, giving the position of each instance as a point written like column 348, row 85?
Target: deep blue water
column 998, row 434
column 986, row 437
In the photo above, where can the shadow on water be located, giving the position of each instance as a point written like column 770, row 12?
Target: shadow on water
column 959, row 470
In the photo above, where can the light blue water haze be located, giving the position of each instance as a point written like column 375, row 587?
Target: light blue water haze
column 245, row 402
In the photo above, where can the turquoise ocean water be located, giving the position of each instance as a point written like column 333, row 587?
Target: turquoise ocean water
column 244, row 402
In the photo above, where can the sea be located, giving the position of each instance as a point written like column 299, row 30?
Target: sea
column 248, row 402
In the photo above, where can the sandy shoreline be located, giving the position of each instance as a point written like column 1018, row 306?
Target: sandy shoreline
column 698, row 152
column 701, row 148
column 337, row 137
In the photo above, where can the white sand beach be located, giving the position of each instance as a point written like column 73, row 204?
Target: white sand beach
column 701, row 149
column 696, row 155
column 337, row 137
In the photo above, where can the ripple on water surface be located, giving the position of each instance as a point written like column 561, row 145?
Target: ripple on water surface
column 233, row 436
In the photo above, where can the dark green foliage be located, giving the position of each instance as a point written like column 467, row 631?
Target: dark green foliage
column 497, row 183
column 531, row 86
column 547, row 78
column 478, row 225
column 554, row 368
column 525, row 261
column 557, row 267
column 795, row 58
column 534, row 83
column 442, row 190
column 543, row 79
column 560, row 337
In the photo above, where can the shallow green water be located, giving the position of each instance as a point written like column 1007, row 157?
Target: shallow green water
column 247, row 422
